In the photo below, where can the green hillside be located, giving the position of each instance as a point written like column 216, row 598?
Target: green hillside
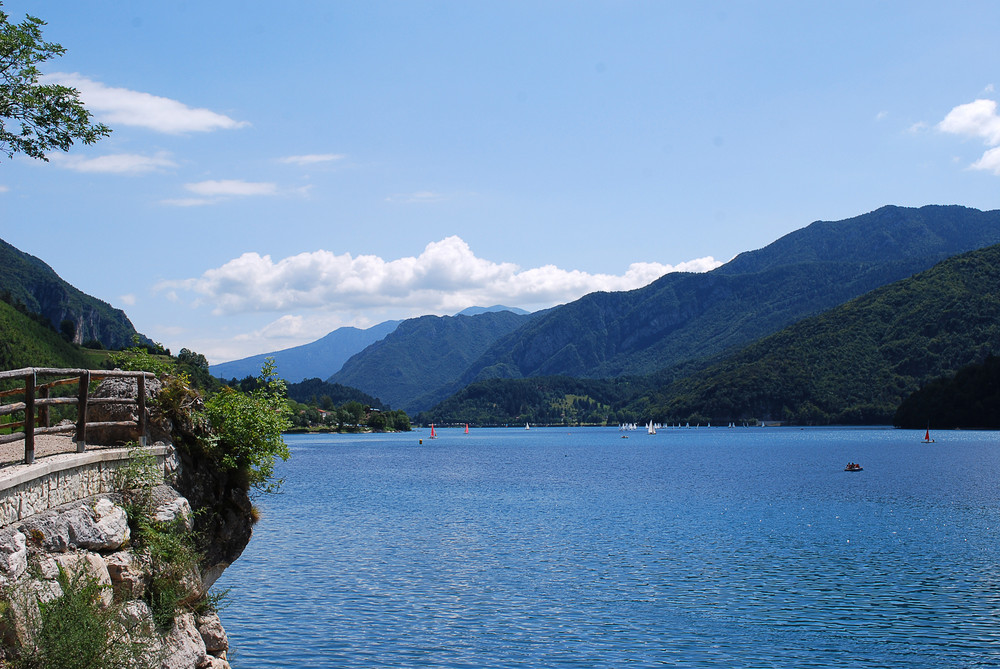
column 547, row 400
column 28, row 280
column 969, row 399
column 24, row 342
column 854, row 363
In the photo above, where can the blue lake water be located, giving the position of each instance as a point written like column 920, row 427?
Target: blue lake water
column 745, row 547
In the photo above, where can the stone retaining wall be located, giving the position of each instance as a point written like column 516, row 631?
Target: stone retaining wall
column 59, row 479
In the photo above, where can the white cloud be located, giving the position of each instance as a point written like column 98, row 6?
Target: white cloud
column 989, row 161
column 122, row 106
column 312, row 159
column 120, row 163
column 128, row 299
column 231, row 187
column 4, row 189
column 977, row 119
column 445, row 278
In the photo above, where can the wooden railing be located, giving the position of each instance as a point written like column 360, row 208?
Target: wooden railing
column 36, row 400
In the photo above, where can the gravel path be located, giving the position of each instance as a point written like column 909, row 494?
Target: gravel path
column 45, row 444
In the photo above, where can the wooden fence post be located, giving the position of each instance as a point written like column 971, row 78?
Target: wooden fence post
column 29, row 418
column 141, row 387
column 81, row 412
column 43, row 410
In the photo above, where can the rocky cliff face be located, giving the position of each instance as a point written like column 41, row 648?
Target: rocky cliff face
column 93, row 538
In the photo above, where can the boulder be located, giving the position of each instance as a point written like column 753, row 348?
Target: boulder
column 117, row 387
column 213, row 634
column 184, row 645
column 85, row 563
column 99, row 526
column 13, row 555
column 128, row 578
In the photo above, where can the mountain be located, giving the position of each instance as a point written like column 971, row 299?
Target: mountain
column 28, row 280
column 475, row 311
column 318, row 359
column 857, row 362
column 424, row 355
column 684, row 316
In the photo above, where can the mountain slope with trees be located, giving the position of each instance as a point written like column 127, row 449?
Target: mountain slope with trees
column 969, row 399
column 25, row 342
column 857, row 362
column 688, row 316
column 423, row 354
column 85, row 319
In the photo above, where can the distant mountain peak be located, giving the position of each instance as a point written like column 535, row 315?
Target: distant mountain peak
column 475, row 311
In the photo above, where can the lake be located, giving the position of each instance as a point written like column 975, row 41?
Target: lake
column 708, row 547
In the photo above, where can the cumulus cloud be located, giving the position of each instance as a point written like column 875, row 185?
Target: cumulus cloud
column 121, row 106
column 312, row 159
column 120, row 163
column 977, row 119
column 446, row 277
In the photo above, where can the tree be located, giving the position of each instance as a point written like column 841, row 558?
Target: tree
column 36, row 118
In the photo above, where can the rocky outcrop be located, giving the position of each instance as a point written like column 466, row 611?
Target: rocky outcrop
column 117, row 387
column 91, row 537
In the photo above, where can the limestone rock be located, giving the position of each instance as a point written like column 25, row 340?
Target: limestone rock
column 89, row 564
column 101, row 527
column 112, row 525
column 128, row 578
column 214, row 663
column 117, row 387
column 213, row 634
column 13, row 555
column 170, row 505
column 184, row 645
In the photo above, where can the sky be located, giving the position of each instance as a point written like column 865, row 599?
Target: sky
column 279, row 170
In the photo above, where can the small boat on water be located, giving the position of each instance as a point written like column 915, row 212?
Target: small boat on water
column 433, row 433
column 853, row 467
column 927, row 437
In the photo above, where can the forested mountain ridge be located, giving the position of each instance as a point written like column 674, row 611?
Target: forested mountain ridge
column 687, row 316
column 423, row 354
column 33, row 283
column 856, row 362
column 319, row 359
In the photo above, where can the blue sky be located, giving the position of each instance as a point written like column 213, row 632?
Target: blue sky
column 280, row 170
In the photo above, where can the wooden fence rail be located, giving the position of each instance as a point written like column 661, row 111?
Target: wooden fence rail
column 36, row 400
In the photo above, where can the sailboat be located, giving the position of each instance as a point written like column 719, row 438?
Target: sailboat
column 433, row 434
column 527, row 427
column 927, row 437
column 467, row 428
column 650, row 428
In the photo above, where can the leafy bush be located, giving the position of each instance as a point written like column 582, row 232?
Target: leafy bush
column 138, row 358
column 248, row 428
column 77, row 631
